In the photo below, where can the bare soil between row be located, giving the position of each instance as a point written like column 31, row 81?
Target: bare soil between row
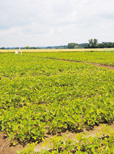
column 7, row 148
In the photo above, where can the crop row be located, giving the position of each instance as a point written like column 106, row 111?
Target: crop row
column 102, row 143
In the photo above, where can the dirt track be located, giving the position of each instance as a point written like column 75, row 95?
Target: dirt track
column 5, row 147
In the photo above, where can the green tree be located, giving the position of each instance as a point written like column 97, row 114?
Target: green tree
column 27, row 47
column 71, row 45
column 93, row 43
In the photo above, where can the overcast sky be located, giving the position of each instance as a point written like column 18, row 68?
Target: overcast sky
column 55, row 22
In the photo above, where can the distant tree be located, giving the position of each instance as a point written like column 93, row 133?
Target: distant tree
column 2, row 48
column 27, row 47
column 110, row 45
column 32, row 47
column 82, row 45
column 100, row 45
column 76, row 46
column 71, row 45
column 93, row 43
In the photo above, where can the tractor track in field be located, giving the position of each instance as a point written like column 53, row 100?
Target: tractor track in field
column 7, row 148
column 46, row 145
column 95, row 64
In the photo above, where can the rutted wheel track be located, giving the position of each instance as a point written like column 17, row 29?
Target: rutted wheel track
column 6, row 148
column 99, row 65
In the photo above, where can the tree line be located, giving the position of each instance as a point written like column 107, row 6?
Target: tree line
column 93, row 43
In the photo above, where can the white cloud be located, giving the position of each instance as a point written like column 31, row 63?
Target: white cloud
column 55, row 22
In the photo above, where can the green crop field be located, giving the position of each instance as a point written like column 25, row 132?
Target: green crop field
column 41, row 96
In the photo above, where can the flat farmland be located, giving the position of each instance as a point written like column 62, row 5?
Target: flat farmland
column 42, row 95
column 57, row 50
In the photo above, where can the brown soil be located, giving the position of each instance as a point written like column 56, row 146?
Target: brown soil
column 104, row 66
column 69, row 135
column 5, row 146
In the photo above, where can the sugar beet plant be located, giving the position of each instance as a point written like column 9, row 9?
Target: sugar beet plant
column 39, row 96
